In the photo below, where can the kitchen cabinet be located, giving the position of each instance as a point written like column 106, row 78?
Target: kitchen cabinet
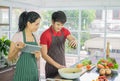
column 7, row 74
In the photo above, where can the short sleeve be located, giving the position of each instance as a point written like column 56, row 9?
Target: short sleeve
column 17, row 37
column 43, row 39
column 66, row 32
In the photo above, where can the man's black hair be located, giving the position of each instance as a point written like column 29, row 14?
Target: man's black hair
column 59, row 16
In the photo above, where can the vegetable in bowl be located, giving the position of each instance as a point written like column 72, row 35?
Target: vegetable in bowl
column 86, row 62
column 108, row 63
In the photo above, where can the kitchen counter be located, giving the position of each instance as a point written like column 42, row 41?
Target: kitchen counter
column 89, row 76
column 92, row 74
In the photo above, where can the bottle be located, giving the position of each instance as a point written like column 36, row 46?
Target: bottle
column 108, row 50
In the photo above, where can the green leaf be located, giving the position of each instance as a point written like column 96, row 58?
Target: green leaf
column 5, row 52
column 116, row 66
column 86, row 62
column 110, row 59
column 3, row 38
column 99, row 62
column 7, row 42
column 4, row 45
column 0, row 42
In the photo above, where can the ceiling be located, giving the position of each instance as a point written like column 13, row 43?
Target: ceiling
column 66, row 3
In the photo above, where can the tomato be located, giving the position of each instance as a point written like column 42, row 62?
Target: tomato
column 88, row 67
column 110, row 64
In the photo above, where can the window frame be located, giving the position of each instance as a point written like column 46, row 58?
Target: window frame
column 114, row 13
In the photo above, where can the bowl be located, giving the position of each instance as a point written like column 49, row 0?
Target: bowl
column 70, row 73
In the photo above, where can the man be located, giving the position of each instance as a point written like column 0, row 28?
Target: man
column 52, row 41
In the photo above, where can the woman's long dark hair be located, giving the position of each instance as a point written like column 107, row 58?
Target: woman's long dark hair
column 27, row 17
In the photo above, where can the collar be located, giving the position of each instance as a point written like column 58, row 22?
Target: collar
column 53, row 31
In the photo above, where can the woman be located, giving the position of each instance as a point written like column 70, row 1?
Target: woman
column 26, row 66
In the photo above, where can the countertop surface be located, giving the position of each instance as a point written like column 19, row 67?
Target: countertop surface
column 92, row 74
column 89, row 76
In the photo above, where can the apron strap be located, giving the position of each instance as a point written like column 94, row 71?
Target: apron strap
column 24, row 37
column 34, row 37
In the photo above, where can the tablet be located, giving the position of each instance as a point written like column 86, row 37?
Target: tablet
column 31, row 48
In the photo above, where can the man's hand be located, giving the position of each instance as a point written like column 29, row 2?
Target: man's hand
column 61, row 66
column 73, row 44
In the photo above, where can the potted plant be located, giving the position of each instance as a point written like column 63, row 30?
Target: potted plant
column 4, row 49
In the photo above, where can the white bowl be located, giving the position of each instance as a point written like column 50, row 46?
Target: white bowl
column 70, row 73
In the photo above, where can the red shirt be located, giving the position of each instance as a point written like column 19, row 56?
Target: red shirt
column 46, row 37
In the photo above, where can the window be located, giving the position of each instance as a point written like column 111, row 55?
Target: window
column 113, row 20
column 4, row 21
column 15, row 17
column 98, row 14
column 116, row 14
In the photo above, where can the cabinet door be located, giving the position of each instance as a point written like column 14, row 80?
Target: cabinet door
column 7, row 75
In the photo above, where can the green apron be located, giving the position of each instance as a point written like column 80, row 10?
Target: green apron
column 26, row 66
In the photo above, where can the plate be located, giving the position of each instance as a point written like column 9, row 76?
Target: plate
column 114, row 70
column 70, row 73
